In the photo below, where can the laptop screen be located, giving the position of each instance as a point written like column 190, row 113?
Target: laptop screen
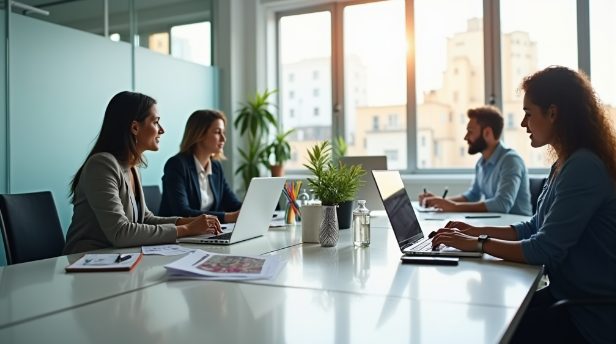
column 398, row 207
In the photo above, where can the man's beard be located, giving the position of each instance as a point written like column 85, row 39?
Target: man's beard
column 478, row 146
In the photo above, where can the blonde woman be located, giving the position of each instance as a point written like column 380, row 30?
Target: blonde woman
column 194, row 182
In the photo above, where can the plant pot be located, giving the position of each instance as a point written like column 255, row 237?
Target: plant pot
column 345, row 214
column 328, row 235
column 277, row 170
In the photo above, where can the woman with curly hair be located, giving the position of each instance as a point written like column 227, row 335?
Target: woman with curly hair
column 573, row 232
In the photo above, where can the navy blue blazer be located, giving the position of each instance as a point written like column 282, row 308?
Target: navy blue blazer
column 181, row 192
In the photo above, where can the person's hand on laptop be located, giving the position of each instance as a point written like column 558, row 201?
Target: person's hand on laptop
column 462, row 226
column 452, row 237
column 202, row 224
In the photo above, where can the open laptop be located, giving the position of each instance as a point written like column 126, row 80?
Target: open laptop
column 368, row 191
column 404, row 221
column 254, row 218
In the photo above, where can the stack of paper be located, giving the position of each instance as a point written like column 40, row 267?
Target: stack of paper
column 165, row 250
column 213, row 266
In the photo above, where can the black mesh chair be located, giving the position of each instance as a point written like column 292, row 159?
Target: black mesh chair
column 30, row 227
column 536, row 185
column 152, row 196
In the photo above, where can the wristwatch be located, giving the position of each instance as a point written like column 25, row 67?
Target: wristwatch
column 480, row 241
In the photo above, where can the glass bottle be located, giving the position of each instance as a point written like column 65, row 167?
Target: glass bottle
column 303, row 198
column 361, row 225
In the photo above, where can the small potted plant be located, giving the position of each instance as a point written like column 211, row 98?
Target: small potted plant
column 333, row 184
column 279, row 150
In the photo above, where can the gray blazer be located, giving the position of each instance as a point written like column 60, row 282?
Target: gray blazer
column 103, row 211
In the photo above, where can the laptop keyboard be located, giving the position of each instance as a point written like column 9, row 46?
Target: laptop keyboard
column 423, row 245
column 225, row 236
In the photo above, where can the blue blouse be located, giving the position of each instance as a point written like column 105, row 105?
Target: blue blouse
column 573, row 234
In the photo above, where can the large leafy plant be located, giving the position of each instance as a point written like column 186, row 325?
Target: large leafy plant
column 333, row 183
column 254, row 120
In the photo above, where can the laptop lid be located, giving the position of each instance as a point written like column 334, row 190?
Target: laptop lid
column 368, row 191
column 398, row 207
column 255, row 216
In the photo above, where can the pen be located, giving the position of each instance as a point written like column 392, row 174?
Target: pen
column 482, row 216
column 200, row 260
column 122, row 257
column 445, row 193
column 425, row 191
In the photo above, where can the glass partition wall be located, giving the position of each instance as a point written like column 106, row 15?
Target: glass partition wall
column 180, row 28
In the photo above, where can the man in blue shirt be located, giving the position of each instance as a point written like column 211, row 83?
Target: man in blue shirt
column 501, row 179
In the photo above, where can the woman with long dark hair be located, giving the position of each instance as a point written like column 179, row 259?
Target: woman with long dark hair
column 573, row 232
column 108, row 205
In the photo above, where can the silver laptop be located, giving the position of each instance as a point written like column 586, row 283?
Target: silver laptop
column 368, row 191
column 254, row 218
column 404, row 221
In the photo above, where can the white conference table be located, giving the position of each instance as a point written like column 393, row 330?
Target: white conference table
column 39, row 288
column 338, row 295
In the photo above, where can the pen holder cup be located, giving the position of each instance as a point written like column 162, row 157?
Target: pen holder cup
column 290, row 216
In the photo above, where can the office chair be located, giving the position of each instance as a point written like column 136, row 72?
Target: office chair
column 152, row 196
column 536, row 185
column 30, row 227
column 596, row 302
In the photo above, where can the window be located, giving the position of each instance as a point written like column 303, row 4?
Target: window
column 305, row 53
column 603, row 52
column 392, row 155
column 450, row 69
column 549, row 38
column 392, row 121
column 192, row 42
column 159, row 42
column 375, row 77
column 510, row 121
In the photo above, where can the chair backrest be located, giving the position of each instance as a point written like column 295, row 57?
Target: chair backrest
column 152, row 196
column 30, row 227
column 536, row 185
